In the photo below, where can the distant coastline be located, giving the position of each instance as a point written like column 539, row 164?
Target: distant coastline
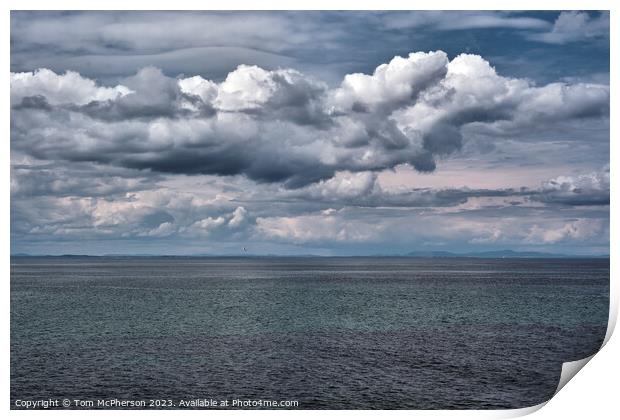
column 414, row 254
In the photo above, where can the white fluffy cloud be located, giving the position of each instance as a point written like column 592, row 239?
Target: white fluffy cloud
column 68, row 88
column 234, row 224
column 473, row 92
column 391, row 85
column 206, row 90
column 248, row 87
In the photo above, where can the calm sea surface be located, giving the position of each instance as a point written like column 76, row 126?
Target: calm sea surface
column 340, row 333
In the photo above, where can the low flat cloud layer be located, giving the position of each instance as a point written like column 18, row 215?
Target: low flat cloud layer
column 282, row 158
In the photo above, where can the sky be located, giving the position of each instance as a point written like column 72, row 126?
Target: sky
column 328, row 133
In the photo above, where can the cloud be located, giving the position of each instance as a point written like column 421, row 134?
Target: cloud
column 141, row 211
column 85, row 180
column 574, row 26
column 282, row 126
column 383, row 229
column 581, row 190
column 349, row 211
column 282, row 94
column 236, row 225
column 578, row 229
column 448, row 21
column 206, row 90
column 391, row 85
column 239, row 217
column 94, row 161
column 114, row 44
column 363, row 189
column 473, row 94
column 286, row 133
column 68, row 88
column 326, row 226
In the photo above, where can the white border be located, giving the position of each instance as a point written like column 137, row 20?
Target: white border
column 592, row 394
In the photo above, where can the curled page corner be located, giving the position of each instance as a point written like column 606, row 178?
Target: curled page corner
column 569, row 370
column 613, row 317
column 520, row 412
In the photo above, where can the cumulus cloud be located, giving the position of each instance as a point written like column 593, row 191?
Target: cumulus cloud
column 283, row 94
column 239, row 217
column 280, row 125
column 581, row 190
column 68, row 88
column 233, row 222
column 472, row 93
column 206, row 90
column 392, row 85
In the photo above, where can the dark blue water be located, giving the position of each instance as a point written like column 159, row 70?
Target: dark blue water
column 339, row 333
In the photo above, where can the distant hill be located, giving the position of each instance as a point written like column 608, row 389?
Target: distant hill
column 505, row 253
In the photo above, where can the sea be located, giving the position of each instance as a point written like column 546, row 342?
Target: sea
column 303, row 332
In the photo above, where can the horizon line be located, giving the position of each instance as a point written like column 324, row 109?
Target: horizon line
column 432, row 254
